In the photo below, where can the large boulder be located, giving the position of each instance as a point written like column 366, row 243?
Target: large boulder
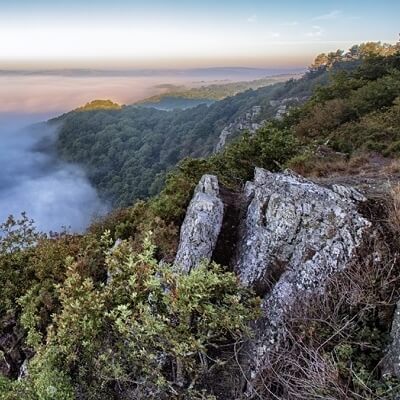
column 294, row 224
column 294, row 237
column 202, row 225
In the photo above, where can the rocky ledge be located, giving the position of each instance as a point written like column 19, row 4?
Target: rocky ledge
column 293, row 236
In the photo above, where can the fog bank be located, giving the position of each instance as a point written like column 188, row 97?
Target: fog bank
column 61, row 91
column 54, row 194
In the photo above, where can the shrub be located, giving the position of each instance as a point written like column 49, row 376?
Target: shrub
column 149, row 331
column 17, row 238
column 377, row 131
column 323, row 118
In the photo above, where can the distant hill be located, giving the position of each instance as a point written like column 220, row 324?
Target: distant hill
column 207, row 93
column 99, row 105
column 127, row 152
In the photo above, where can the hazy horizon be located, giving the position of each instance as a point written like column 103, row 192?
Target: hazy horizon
column 58, row 91
column 54, row 193
column 181, row 34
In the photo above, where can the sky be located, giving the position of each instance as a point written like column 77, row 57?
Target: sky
column 186, row 33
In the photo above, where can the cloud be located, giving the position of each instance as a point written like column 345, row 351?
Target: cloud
column 53, row 193
column 329, row 16
column 252, row 19
column 316, row 32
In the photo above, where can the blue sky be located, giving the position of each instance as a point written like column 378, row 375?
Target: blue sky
column 187, row 33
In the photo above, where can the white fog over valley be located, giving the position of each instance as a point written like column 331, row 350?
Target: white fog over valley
column 55, row 194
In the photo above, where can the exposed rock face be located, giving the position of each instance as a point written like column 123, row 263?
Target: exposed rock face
column 251, row 121
column 295, row 235
column 202, row 225
column 292, row 222
column 282, row 106
column 247, row 122
column 392, row 360
column 23, row 371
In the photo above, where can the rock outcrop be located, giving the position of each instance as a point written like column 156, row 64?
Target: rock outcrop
column 282, row 106
column 251, row 121
column 247, row 122
column 292, row 222
column 392, row 359
column 294, row 235
column 202, row 225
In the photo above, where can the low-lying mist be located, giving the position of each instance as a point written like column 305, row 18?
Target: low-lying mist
column 61, row 91
column 54, row 194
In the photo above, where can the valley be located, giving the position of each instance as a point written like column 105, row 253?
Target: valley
column 56, row 193
column 254, row 239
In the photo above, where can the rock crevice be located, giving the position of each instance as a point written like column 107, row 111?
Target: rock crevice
column 292, row 237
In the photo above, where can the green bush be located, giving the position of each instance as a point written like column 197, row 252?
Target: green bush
column 17, row 238
column 148, row 330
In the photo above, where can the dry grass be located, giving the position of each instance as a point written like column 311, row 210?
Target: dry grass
column 322, row 168
column 317, row 166
column 336, row 341
column 394, row 210
column 358, row 161
column 314, row 166
column 392, row 168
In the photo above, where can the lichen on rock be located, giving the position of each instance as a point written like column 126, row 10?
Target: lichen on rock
column 295, row 236
column 202, row 225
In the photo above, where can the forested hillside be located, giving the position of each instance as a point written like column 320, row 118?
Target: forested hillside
column 127, row 152
column 103, row 315
column 212, row 92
